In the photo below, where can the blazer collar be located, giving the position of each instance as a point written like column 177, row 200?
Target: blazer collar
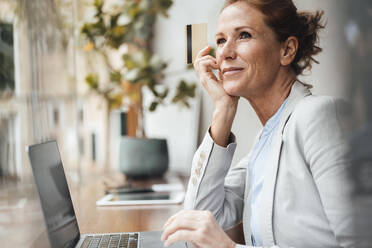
column 298, row 92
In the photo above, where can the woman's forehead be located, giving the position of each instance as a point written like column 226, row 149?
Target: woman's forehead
column 240, row 14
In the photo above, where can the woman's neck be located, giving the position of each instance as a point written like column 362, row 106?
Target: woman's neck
column 267, row 104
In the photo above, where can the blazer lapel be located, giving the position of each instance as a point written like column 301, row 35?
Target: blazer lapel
column 298, row 92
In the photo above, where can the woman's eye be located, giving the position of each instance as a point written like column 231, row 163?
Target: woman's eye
column 245, row 35
column 220, row 41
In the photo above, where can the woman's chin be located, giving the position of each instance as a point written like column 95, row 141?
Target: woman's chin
column 231, row 89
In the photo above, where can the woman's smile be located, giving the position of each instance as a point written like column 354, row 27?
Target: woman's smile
column 232, row 71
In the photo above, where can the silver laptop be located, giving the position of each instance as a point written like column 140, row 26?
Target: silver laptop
column 59, row 214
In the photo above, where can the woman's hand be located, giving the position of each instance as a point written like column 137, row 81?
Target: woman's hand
column 197, row 227
column 225, row 105
column 204, row 65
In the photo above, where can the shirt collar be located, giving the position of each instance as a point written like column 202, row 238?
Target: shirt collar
column 274, row 120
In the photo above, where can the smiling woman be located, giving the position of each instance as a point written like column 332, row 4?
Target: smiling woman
column 292, row 189
column 248, row 52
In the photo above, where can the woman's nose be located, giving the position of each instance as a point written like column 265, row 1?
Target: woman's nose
column 228, row 50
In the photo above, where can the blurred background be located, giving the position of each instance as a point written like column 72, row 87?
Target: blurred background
column 70, row 70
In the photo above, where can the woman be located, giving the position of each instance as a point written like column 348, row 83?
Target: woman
column 291, row 190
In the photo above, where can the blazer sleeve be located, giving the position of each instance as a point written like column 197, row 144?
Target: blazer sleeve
column 325, row 150
column 214, row 186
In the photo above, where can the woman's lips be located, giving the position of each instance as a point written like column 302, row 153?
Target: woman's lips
column 231, row 71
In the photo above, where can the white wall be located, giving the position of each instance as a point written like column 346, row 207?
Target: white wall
column 327, row 78
column 171, row 122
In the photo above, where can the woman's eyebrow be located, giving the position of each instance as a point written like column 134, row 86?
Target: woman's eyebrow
column 236, row 29
column 243, row 27
column 219, row 34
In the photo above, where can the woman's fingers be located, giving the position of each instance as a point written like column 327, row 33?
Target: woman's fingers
column 220, row 76
column 206, row 64
column 189, row 219
column 197, row 227
column 203, row 58
column 191, row 214
column 200, row 63
column 181, row 235
column 173, row 217
column 177, row 224
column 208, row 74
column 180, row 227
column 203, row 52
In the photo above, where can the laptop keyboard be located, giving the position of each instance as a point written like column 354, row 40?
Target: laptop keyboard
column 125, row 240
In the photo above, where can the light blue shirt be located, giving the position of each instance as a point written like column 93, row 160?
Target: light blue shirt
column 257, row 166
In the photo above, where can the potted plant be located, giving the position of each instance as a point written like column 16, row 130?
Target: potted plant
column 127, row 29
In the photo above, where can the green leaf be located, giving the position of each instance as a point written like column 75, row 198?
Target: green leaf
column 184, row 92
column 115, row 76
column 134, row 11
column 129, row 62
column 154, row 91
column 98, row 4
column 92, row 80
column 153, row 106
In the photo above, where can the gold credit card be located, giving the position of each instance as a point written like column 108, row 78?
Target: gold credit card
column 196, row 40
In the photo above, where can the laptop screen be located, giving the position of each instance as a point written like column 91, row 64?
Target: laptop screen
column 59, row 214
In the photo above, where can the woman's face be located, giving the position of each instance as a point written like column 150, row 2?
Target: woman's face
column 248, row 53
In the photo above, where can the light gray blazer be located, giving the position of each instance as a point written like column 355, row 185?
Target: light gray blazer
column 306, row 192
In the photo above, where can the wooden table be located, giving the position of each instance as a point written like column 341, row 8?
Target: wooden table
column 94, row 219
column 23, row 225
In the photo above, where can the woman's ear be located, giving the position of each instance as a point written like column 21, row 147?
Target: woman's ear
column 289, row 50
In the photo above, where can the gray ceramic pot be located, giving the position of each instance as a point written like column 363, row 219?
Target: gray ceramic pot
column 143, row 157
